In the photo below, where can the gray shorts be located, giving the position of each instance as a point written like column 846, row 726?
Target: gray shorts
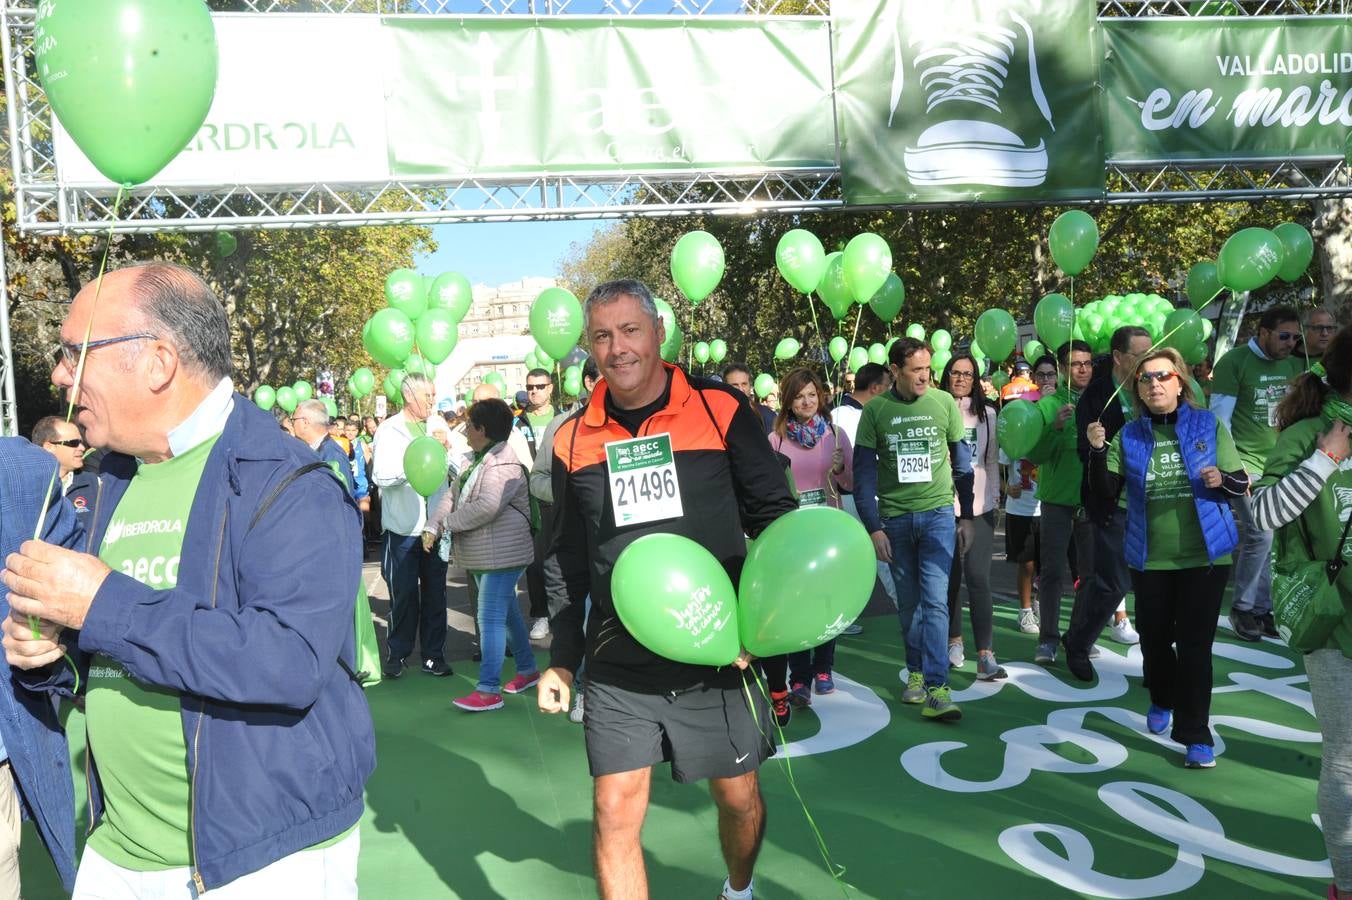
column 704, row 732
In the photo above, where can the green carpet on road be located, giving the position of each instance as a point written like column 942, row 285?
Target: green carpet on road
column 1047, row 788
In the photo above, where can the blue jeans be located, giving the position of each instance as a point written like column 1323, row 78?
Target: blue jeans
column 922, row 555
column 498, row 607
column 417, row 583
column 1253, row 577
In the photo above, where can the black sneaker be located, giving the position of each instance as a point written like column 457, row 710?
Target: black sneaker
column 392, row 668
column 1077, row 661
column 1246, row 625
column 1268, row 624
column 436, row 667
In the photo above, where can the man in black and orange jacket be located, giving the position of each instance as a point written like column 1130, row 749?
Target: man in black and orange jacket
column 642, row 708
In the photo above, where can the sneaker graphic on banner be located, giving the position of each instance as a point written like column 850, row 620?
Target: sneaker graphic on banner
column 963, row 66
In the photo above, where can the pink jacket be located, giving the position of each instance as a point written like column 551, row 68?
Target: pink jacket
column 490, row 524
column 812, row 468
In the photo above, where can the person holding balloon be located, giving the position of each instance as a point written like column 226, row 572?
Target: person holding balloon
column 658, row 454
column 1247, row 385
column 822, row 462
column 906, row 469
column 974, row 560
column 1179, row 468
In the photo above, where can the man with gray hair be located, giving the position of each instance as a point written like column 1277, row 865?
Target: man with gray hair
column 1317, row 329
column 310, row 422
column 416, row 577
column 216, row 646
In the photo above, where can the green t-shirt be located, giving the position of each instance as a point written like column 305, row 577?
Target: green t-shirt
column 540, row 421
column 135, row 731
column 1257, row 385
column 1173, row 532
column 912, row 438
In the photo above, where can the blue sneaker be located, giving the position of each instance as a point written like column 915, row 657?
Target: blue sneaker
column 800, row 694
column 1157, row 719
column 824, row 683
column 1200, row 756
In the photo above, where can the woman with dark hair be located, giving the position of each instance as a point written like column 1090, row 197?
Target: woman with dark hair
column 821, row 461
column 978, row 418
column 1180, row 468
column 1305, row 496
column 488, row 513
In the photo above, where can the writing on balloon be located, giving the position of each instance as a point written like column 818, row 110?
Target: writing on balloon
column 699, row 613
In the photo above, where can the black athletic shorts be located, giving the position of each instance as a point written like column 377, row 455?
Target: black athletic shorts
column 1023, row 538
column 704, row 732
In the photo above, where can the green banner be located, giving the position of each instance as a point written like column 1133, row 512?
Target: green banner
column 967, row 100
column 574, row 94
column 1234, row 88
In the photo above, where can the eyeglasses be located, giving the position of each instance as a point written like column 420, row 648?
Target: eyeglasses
column 1322, row 329
column 70, row 353
column 72, row 443
column 1146, row 377
column 1081, row 363
column 964, row 376
column 1044, row 376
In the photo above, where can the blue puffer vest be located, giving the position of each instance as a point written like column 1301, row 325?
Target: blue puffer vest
column 1196, row 429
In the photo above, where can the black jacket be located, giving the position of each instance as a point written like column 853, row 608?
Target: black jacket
column 1094, row 405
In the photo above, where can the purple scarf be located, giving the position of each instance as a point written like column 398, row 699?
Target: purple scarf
column 806, row 434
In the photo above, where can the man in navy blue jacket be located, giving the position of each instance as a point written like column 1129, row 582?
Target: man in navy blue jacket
column 229, row 740
column 34, row 749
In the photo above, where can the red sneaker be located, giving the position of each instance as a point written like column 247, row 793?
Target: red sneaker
column 521, row 683
column 476, row 701
column 779, row 702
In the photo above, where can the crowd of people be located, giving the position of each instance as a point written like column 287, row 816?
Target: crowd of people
column 176, row 595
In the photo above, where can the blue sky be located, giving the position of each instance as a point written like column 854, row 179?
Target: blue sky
column 494, row 253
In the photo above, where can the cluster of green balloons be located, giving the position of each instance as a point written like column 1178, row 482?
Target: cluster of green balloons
column 361, row 383
column 861, row 273
column 1252, row 257
column 287, row 397
column 805, row 579
column 714, row 351
column 421, row 312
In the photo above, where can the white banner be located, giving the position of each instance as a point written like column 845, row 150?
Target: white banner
column 299, row 99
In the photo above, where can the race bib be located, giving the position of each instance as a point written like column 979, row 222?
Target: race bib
column 643, row 483
column 913, row 462
column 812, row 498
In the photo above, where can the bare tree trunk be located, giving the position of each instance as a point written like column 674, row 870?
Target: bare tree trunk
column 1333, row 244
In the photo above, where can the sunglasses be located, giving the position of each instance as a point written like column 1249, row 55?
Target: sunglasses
column 1286, row 335
column 537, row 387
column 72, row 443
column 1147, row 377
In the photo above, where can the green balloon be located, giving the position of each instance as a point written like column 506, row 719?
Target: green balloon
column 832, row 288
column 286, row 399
column 867, row 262
column 556, row 321
column 996, row 331
column 886, row 304
column 303, row 390
column 425, row 465
column 1033, row 351
column 807, row 577
column 406, row 291
column 388, row 337
column 1207, row 329
column 364, row 380
column 496, row 379
column 838, row 347
column 999, row 379
column 697, row 265
column 974, row 348
column 451, row 291
column 436, row 334
column 763, row 385
column 676, row 600
column 226, row 244
column 877, row 354
column 1018, row 428
column 938, row 361
column 671, row 347
column 787, row 348
column 331, row 407
column 1154, row 323
column 130, row 80
column 1195, row 354
column 941, row 340
column 1249, row 259
column 858, row 358
column 701, row 351
column 417, row 365
column 1074, row 239
column 915, row 331
column 1183, row 330
column 1299, row 250
column 393, row 385
column 801, row 260
column 1054, row 320
column 718, row 349
column 264, row 396
column 572, row 386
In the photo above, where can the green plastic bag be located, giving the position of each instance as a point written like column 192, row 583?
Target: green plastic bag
column 368, row 650
column 1307, row 601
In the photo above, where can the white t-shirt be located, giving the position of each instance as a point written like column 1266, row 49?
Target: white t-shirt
column 402, row 509
column 846, row 417
column 1023, row 474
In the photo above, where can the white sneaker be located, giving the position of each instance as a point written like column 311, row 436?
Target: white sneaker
column 1028, row 622
column 539, row 629
column 579, row 705
column 1122, row 632
column 955, row 656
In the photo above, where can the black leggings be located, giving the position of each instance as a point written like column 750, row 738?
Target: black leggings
column 1179, row 607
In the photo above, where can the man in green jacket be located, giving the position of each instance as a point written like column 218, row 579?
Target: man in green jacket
column 1058, row 487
